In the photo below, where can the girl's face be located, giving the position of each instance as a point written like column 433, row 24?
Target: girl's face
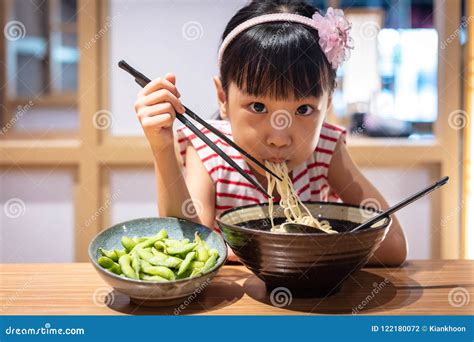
column 278, row 131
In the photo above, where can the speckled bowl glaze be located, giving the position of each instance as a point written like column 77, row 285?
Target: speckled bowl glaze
column 154, row 293
column 308, row 264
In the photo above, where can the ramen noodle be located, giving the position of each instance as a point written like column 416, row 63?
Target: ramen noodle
column 289, row 201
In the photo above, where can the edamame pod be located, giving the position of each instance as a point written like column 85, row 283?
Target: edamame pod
column 105, row 262
column 195, row 273
column 201, row 250
column 185, row 249
column 115, row 269
column 136, row 263
column 119, row 253
column 148, row 242
column 186, row 262
column 211, row 261
column 109, row 254
column 125, row 262
column 159, row 245
column 159, row 258
column 157, row 278
column 197, row 264
column 161, row 271
column 128, row 243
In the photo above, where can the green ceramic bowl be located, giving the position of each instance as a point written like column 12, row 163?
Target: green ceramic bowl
column 154, row 293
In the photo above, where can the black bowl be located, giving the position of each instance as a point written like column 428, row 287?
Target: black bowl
column 308, row 264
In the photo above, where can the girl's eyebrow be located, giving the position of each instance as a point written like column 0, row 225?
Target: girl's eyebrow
column 305, row 100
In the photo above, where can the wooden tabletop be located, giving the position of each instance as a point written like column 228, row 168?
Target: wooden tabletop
column 435, row 287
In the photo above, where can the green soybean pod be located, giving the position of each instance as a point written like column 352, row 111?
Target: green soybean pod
column 186, row 262
column 160, row 259
column 201, row 250
column 170, row 262
column 148, row 242
column 144, row 254
column 135, row 263
column 195, row 273
column 105, row 262
column 159, row 246
column 120, row 252
column 128, row 243
column 185, row 249
column 115, row 269
column 163, row 259
column 161, row 271
column 211, row 261
column 175, row 242
column 138, row 239
column 109, row 254
column 125, row 262
column 144, row 276
column 186, row 274
column 197, row 264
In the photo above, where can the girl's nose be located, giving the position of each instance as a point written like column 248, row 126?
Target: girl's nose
column 279, row 138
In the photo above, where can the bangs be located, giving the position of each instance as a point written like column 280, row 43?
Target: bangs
column 278, row 60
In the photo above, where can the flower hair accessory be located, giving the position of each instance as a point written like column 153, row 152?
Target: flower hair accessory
column 334, row 37
column 333, row 31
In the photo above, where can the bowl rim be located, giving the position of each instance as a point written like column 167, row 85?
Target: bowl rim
column 147, row 282
column 385, row 225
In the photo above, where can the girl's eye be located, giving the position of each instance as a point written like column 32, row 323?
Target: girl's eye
column 257, row 107
column 304, row 110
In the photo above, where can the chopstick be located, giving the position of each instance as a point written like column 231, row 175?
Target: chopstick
column 402, row 204
column 142, row 80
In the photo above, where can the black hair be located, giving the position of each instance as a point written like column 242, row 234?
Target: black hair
column 276, row 59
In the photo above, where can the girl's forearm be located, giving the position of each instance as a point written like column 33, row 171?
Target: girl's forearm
column 172, row 191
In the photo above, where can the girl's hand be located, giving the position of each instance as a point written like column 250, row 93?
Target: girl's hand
column 156, row 108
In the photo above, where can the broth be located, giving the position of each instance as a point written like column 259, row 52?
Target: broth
column 265, row 224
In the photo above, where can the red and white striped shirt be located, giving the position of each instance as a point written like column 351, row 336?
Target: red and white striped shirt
column 310, row 179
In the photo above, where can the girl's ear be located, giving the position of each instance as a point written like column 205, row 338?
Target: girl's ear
column 329, row 102
column 221, row 98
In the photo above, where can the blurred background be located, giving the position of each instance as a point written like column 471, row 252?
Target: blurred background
column 73, row 159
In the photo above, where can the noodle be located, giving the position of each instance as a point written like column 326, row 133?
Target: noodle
column 290, row 201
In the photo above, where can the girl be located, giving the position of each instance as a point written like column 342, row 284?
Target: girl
column 278, row 62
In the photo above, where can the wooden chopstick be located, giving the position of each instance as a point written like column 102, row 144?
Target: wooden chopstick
column 142, row 80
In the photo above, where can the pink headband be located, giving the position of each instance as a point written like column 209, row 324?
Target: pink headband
column 333, row 30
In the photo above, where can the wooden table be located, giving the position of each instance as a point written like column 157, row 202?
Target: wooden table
column 442, row 287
